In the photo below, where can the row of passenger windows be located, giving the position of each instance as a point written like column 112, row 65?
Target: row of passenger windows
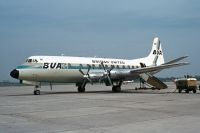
column 101, row 67
column 81, row 66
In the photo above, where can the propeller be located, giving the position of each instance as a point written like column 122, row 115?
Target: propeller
column 106, row 74
column 87, row 75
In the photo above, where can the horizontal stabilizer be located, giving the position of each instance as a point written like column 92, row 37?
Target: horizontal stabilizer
column 171, row 62
column 153, row 81
column 157, row 68
column 176, row 60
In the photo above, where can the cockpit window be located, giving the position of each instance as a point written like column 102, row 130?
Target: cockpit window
column 31, row 61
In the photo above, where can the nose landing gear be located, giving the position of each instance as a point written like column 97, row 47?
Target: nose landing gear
column 36, row 91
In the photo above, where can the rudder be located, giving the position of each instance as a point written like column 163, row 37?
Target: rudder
column 156, row 55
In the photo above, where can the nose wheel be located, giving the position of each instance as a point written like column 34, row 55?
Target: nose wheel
column 36, row 91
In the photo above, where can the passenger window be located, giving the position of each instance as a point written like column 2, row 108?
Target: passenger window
column 80, row 66
column 112, row 66
column 69, row 65
column 88, row 66
column 106, row 66
column 100, row 67
column 93, row 66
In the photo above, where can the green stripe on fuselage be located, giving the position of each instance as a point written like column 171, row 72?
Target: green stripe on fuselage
column 75, row 67
column 29, row 67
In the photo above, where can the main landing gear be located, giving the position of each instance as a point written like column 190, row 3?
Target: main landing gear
column 117, row 88
column 81, row 87
column 36, row 91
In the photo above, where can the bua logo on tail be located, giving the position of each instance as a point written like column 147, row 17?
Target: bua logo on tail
column 157, row 52
column 156, row 55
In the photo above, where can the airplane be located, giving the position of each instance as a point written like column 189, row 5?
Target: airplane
column 83, row 70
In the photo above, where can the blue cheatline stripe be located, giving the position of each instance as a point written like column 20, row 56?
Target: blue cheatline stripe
column 69, row 67
column 27, row 67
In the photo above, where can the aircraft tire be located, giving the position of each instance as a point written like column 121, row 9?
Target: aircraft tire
column 36, row 92
column 116, row 88
column 81, row 90
column 187, row 91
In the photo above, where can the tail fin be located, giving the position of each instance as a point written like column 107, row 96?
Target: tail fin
column 156, row 55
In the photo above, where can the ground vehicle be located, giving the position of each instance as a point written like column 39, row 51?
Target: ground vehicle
column 187, row 84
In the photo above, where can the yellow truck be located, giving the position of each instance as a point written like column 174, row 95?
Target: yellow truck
column 186, row 84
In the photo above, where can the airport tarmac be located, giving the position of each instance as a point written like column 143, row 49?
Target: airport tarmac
column 98, row 110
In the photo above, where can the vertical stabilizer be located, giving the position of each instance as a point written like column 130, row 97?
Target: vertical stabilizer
column 156, row 54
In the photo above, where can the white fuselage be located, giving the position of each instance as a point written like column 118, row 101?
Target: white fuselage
column 66, row 69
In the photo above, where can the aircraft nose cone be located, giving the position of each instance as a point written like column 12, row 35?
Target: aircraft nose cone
column 14, row 73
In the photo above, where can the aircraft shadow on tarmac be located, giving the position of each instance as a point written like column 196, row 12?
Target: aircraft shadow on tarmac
column 126, row 91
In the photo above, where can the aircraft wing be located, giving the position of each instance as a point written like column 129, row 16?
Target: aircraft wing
column 157, row 68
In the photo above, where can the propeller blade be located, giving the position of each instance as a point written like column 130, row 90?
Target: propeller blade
column 106, row 74
column 102, row 78
column 110, row 80
column 86, row 76
column 111, row 68
column 84, row 83
column 103, row 66
column 89, row 80
column 81, row 72
column 89, row 67
column 108, row 71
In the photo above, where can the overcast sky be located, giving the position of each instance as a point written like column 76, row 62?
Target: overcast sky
column 102, row 28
